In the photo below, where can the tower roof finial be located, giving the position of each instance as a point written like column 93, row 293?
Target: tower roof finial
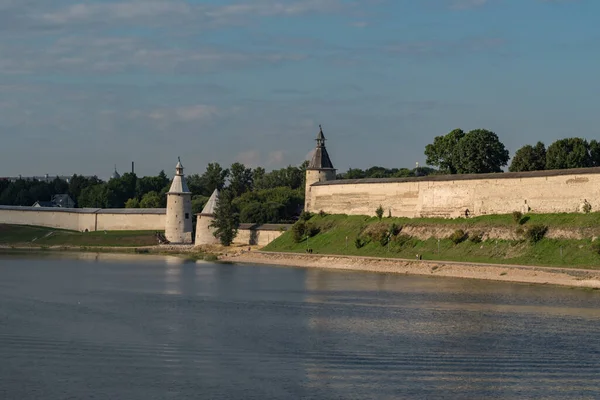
column 320, row 159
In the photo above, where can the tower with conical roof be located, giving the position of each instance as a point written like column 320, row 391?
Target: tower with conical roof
column 320, row 169
column 179, row 227
column 204, row 230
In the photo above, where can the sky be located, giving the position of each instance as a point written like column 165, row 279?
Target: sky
column 87, row 84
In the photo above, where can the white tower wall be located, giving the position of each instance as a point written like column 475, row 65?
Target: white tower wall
column 315, row 176
column 204, row 232
column 179, row 227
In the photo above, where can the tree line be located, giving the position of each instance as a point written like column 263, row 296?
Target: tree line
column 481, row 151
column 259, row 196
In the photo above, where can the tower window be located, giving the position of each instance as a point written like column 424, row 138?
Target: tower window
column 187, row 216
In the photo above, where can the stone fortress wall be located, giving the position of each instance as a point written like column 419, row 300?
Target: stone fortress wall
column 90, row 219
column 449, row 196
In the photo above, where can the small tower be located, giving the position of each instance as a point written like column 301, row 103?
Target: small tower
column 205, row 232
column 179, row 227
column 320, row 169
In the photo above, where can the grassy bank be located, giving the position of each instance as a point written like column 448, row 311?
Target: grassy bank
column 20, row 235
column 338, row 234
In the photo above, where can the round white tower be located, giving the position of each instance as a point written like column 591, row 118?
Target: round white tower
column 179, row 226
column 204, row 230
column 320, row 169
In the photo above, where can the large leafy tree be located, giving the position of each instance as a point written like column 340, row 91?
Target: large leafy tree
column 96, row 196
column 480, row 151
column 569, row 153
column 226, row 218
column 240, row 180
column 529, row 158
column 213, row 178
column 442, row 152
column 151, row 200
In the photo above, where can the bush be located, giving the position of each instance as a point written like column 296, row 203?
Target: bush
column 305, row 216
column 376, row 232
column 476, row 236
column 301, row 229
column 458, row 236
column 322, row 214
column 379, row 212
column 359, row 243
column 517, row 216
column 298, row 230
column 587, row 208
column 535, row 233
column 596, row 248
column 312, row 230
column 395, row 230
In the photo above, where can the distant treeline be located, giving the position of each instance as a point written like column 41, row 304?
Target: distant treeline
column 480, row 151
column 277, row 196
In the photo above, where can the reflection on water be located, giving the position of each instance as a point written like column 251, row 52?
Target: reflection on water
column 153, row 328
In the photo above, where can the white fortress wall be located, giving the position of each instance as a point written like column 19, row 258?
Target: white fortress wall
column 260, row 235
column 450, row 196
column 80, row 219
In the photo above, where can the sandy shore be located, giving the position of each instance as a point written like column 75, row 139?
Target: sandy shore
column 509, row 273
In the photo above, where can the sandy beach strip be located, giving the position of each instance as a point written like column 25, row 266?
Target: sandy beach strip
column 498, row 272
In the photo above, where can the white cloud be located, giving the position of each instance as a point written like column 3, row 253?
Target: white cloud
column 276, row 157
column 250, row 158
column 197, row 112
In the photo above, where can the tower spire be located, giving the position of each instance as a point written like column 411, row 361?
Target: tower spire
column 320, row 159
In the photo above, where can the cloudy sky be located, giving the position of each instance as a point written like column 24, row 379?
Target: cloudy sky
column 86, row 84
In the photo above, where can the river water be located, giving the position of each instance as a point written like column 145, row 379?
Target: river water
column 120, row 327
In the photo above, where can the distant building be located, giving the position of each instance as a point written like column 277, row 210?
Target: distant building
column 63, row 200
column 58, row 200
column 45, row 204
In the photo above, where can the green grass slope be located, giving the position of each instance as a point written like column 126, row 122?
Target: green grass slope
column 20, row 235
column 338, row 234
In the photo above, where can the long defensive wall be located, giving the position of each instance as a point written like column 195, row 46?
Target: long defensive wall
column 86, row 219
column 450, row 196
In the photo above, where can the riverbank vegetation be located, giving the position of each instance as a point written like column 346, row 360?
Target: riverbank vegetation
column 535, row 239
column 25, row 236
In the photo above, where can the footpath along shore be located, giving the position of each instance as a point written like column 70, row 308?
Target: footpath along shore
column 575, row 277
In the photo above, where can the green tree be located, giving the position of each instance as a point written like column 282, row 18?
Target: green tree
column 79, row 182
column 442, row 152
column 151, row 200
column 195, row 184
column 569, row 153
column 213, row 178
column 121, row 189
column 595, row 153
column 151, row 184
column 132, row 203
column 529, row 158
column 240, row 180
column 480, row 151
column 95, row 196
column 226, row 219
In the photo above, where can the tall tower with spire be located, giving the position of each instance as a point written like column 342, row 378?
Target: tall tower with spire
column 179, row 227
column 320, row 169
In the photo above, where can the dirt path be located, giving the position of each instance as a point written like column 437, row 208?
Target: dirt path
column 497, row 272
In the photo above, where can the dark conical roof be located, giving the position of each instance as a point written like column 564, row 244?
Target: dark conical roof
column 320, row 159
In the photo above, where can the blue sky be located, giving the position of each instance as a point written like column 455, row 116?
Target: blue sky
column 88, row 84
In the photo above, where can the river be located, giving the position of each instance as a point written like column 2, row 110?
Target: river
column 123, row 327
